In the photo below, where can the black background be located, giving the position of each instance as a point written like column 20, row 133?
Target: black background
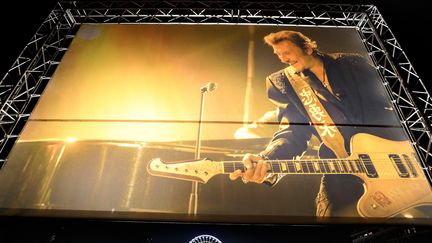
column 409, row 21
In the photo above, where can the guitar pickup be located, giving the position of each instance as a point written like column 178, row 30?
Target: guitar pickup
column 399, row 165
column 368, row 165
column 410, row 165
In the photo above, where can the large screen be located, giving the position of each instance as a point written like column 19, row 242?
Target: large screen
column 216, row 123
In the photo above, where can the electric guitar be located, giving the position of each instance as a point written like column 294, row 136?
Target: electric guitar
column 393, row 178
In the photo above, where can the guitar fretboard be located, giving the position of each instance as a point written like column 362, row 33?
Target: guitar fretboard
column 362, row 165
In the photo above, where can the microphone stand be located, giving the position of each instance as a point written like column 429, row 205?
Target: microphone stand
column 193, row 199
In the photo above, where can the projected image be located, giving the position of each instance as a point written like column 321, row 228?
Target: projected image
column 216, row 122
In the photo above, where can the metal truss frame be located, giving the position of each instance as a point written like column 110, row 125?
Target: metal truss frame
column 23, row 84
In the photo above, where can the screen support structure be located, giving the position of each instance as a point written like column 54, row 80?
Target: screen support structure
column 24, row 82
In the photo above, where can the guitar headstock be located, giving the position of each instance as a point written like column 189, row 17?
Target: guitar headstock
column 192, row 170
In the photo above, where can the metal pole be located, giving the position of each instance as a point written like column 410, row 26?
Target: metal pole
column 193, row 199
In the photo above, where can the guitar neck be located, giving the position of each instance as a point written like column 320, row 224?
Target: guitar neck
column 362, row 165
column 371, row 157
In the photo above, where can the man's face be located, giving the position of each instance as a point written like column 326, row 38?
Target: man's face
column 293, row 55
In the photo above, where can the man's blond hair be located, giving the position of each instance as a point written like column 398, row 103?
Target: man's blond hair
column 297, row 38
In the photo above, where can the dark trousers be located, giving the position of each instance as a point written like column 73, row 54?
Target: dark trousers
column 338, row 196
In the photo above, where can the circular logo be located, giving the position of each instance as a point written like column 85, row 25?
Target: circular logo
column 205, row 239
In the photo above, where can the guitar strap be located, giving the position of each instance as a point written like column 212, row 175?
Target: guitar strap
column 321, row 120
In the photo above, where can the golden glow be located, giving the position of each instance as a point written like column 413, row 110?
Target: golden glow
column 71, row 140
column 408, row 215
column 128, row 145
column 115, row 79
column 244, row 133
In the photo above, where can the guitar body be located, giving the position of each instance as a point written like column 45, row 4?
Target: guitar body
column 389, row 193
